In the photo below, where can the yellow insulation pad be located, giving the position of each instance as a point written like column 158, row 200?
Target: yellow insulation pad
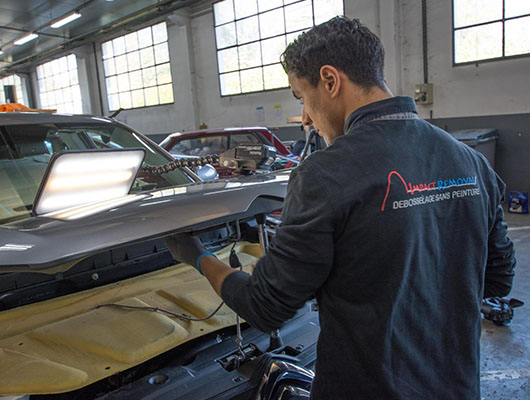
column 64, row 344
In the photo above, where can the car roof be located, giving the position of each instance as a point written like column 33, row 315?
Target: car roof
column 220, row 130
column 22, row 118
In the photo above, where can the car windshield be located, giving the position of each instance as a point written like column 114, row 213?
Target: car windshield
column 25, row 151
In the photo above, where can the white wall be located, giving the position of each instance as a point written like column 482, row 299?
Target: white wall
column 491, row 88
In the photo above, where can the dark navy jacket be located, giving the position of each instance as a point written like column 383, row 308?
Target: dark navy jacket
column 397, row 230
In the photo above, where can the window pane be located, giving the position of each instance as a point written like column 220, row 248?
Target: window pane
column 163, row 74
column 228, row 60
column 230, row 83
column 47, row 69
column 478, row 43
column 271, row 23
column 123, row 83
column 74, row 80
column 264, row 5
column 223, row 12
column 149, row 76
column 244, row 8
column 119, row 45
column 252, row 80
column 65, row 79
column 237, row 139
column 114, row 102
column 517, row 38
column 513, row 8
column 272, row 49
column 135, row 79
column 165, row 93
column 161, row 53
column 125, row 100
column 225, row 35
column 159, row 33
column 299, row 16
column 327, row 9
column 275, row 77
column 147, row 57
column 470, row 12
column 131, row 41
column 247, row 30
column 151, row 96
column 112, row 85
column 144, row 37
column 249, row 55
column 63, row 64
column 106, row 48
column 138, row 98
column 133, row 60
column 121, row 64
column 109, row 67
column 292, row 36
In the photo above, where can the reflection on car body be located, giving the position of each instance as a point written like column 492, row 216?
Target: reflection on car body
column 59, row 340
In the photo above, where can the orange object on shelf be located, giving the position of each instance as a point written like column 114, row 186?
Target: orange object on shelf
column 17, row 107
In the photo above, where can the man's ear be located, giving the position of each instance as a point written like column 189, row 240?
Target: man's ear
column 331, row 78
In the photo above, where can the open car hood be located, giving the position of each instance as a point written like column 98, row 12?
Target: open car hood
column 50, row 245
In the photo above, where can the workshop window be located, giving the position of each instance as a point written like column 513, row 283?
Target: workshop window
column 252, row 34
column 137, row 69
column 490, row 29
column 19, row 92
column 59, row 85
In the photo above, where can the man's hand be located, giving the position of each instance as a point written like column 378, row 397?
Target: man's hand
column 189, row 249
column 185, row 248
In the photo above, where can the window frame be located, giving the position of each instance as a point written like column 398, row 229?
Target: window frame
column 103, row 83
column 502, row 20
column 70, row 86
column 217, row 49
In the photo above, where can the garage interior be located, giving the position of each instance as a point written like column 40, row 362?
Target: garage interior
column 181, row 79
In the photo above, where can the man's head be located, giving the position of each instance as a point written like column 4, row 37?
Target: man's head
column 335, row 68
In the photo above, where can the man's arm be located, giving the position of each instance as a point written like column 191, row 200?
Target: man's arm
column 215, row 271
column 501, row 261
column 298, row 262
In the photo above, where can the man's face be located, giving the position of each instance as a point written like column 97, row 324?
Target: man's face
column 317, row 109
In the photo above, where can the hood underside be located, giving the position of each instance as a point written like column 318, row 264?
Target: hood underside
column 67, row 343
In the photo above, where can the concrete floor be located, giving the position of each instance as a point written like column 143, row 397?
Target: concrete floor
column 505, row 350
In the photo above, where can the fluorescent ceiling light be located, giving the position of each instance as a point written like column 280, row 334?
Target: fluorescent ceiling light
column 85, row 177
column 66, row 20
column 26, row 39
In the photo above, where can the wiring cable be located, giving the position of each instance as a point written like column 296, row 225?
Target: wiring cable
column 162, row 310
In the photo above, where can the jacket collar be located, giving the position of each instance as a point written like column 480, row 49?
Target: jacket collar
column 378, row 109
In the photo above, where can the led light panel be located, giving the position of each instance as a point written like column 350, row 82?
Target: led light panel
column 77, row 178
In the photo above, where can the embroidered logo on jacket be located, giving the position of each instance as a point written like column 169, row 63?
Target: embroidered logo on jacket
column 440, row 186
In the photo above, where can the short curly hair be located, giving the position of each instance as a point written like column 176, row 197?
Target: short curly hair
column 343, row 43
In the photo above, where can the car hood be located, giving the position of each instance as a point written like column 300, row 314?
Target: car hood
column 50, row 244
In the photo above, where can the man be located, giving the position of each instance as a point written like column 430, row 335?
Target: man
column 396, row 229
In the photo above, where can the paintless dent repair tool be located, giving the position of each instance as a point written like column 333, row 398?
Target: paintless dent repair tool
column 499, row 310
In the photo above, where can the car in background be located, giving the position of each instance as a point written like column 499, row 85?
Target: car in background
column 92, row 305
column 216, row 141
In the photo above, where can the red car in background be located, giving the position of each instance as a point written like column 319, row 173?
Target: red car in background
column 215, row 141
